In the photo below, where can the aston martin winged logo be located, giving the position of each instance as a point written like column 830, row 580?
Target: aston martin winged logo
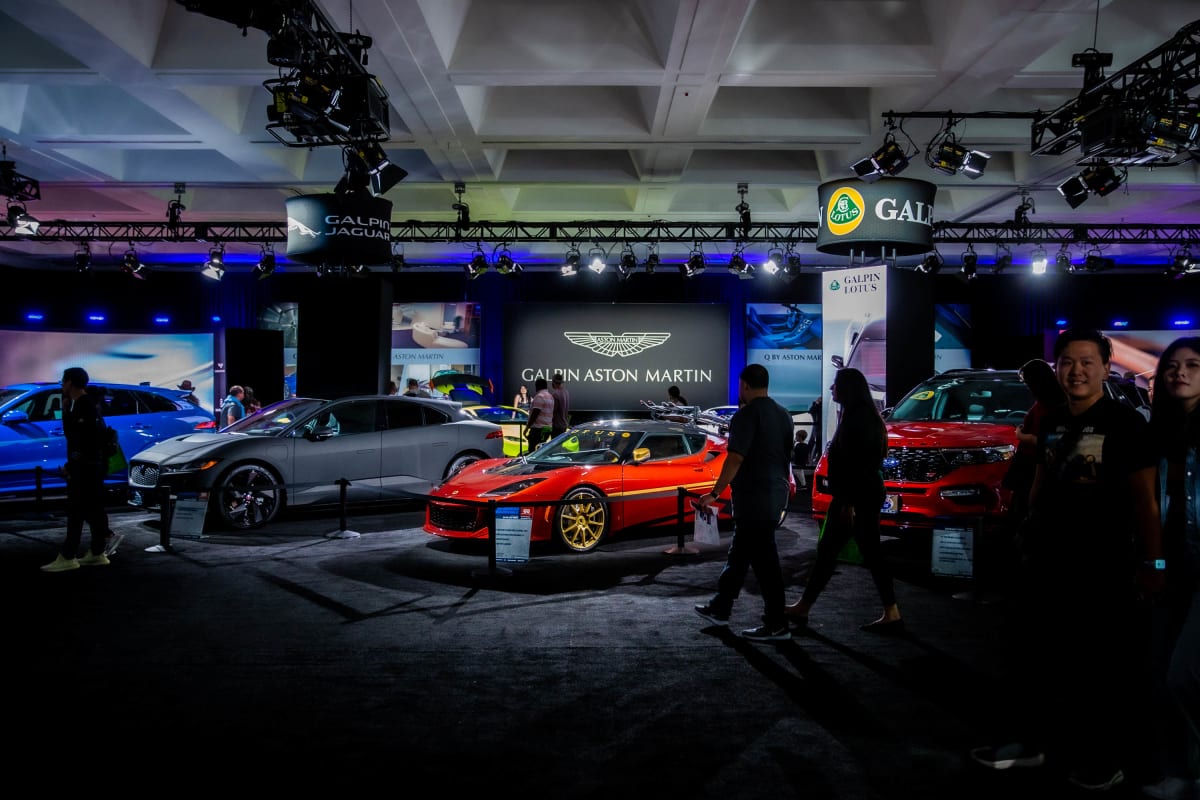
column 612, row 345
column 296, row 225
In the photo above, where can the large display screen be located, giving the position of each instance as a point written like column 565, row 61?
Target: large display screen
column 164, row 359
column 614, row 356
column 787, row 339
column 1138, row 352
column 430, row 339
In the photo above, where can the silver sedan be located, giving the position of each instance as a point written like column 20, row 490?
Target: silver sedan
column 298, row 452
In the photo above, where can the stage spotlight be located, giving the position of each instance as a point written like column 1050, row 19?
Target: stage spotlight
column 1183, row 263
column 397, row 263
column 628, row 263
column 739, row 267
column 20, row 220
column 1038, row 261
column 477, row 265
column 931, row 265
column 1167, row 137
column 652, row 262
column 791, row 266
column 695, row 264
column 1003, row 259
column 570, row 265
column 596, row 260
column 774, row 261
column 83, row 258
column 214, row 268
column 505, row 264
column 382, row 174
column 970, row 264
column 133, row 266
column 1094, row 262
column 889, row 159
column 1099, row 179
column 743, row 210
column 953, row 158
column 266, row 264
column 1062, row 261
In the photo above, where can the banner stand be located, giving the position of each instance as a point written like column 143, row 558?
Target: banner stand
column 492, row 570
column 342, row 532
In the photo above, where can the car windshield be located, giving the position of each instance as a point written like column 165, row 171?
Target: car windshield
column 500, row 414
column 1002, row 399
column 8, row 395
column 587, row 446
column 274, row 418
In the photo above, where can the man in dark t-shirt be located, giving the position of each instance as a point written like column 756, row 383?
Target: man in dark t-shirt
column 757, row 469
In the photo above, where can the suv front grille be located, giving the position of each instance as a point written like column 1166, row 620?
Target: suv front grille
column 453, row 517
column 915, row 465
column 143, row 475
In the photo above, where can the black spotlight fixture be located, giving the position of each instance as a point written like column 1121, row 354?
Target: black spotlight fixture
column 1062, row 260
column 791, row 266
column 463, row 210
column 1038, row 261
column 381, row 173
column 743, row 211
column 397, row 263
column 774, row 261
column 628, row 263
column 505, row 263
column 1183, row 263
column 695, row 263
column 214, row 268
column 931, row 264
column 970, row 264
column 22, row 223
column 1094, row 262
column 652, row 262
column 132, row 265
column 83, row 258
column 1099, row 179
column 477, row 265
column 1003, row 259
column 266, row 264
column 889, row 159
column 597, row 260
column 952, row 158
column 738, row 265
column 570, row 265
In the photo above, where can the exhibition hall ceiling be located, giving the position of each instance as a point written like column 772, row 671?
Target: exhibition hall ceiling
column 571, row 110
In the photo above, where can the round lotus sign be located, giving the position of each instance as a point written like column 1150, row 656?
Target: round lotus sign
column 893, row 215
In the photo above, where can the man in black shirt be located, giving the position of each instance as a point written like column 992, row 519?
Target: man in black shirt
column 757, row 469
column 84, row 430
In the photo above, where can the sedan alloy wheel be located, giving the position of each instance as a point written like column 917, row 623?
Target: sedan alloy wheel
column 582, row 522
column 249, row 497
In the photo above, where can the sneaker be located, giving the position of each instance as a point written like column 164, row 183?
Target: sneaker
column 1170, row 788
column 111, row 543
column 764, row 633
column 1008, row 755
column 1096, row 780
column 94, row 560
column 60, row 564
column 712, row 615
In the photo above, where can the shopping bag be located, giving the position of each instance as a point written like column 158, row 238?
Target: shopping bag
column 704, row 530
column 850, row 554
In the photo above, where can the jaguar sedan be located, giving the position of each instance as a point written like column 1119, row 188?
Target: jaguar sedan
column 31, row 430
column 615, row 475
column 513, row 420
column 300, row 451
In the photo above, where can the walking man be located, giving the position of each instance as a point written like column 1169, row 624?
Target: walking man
column 562, row 405
column 757, row 469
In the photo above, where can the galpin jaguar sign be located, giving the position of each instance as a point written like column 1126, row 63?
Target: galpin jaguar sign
column 889, row 216
column 339, row 230
column 614, row 356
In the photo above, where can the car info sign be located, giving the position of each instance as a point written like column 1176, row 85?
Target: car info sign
column 513, row 528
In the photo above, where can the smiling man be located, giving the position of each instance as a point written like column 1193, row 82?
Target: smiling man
column 1092, row 499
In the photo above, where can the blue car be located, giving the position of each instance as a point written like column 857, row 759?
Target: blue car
column 31, row 431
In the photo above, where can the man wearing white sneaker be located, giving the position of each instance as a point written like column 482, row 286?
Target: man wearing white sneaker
column 84, row 428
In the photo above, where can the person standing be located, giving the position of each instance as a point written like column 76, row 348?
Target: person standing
column 83, row 428
column 1092, row 499
column 757, row 471
column 814, row 411
column 673, row 396
column 855, row 474
column 391, row 389
column 521, row 399
column 414, row 389
column 190, row 388
column 1175, row 641
column 249, row 401
column 232, row 409
column 541, row 414
column 562, row 405
column 800, row 451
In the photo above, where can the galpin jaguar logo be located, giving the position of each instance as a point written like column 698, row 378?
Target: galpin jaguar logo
column 296, row 225
column 611, row 344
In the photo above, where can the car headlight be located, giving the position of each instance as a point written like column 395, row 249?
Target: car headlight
column 199, row 465
column 512, row 488
column 969, row 456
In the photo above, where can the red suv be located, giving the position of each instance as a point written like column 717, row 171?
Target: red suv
column 950, row 441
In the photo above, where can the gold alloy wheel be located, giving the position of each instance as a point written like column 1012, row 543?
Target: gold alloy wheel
column 581, row 524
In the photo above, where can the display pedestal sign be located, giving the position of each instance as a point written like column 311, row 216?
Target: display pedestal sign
column 187, row 519
column 514, row 527
column 953, row 552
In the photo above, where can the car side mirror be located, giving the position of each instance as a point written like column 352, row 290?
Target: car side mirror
column 838, row 361
column 14, row 416
column 641, row 454
column 887, row 412
column 319, row 433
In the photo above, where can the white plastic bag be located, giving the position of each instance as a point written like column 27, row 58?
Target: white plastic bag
column 705, row 526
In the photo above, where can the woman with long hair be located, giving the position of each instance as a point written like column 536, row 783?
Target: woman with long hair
column 855, row 476
column 522, row 399
column 1175, row 428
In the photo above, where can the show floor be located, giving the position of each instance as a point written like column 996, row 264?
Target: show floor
column 393, row 662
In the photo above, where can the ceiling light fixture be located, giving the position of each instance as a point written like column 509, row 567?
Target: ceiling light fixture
column 1003, row 259
column 1094, row 262
column 889, row 159
column 505, row 263
column 743, row 210
column 774, row 261
column 970, row 264
column 791, row 266
column 931, row 264
column 478, row 263
column 628, row 263
column 132, row 265
column 739, row 266
column 597, row 262
column 266, row 263
column 652, row 262
column 1183, row 263
column 1099, row 179
column 1062, row 260
column 83, row 258
column 695, row 263
column 214, row 268
column 570, row 265
column 947, row 156
column 1038, row 261
column 22, row 223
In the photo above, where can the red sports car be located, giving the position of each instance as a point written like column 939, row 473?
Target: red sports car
column 635, row 465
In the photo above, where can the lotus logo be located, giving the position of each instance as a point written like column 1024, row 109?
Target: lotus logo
column 296, row 225
column 845, row 211
column 834, row 286
column 612, row 345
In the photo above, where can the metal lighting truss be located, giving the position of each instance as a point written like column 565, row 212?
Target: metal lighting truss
column 689, row 232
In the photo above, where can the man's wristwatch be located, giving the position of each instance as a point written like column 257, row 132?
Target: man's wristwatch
column 1157, row 564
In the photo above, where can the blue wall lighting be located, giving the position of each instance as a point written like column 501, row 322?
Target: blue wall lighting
column 1120, row 323
column 96, row 318
column 1181, row 323
column 160, row 320
column 216, row 319
column 1060, row 323
column 35, row 316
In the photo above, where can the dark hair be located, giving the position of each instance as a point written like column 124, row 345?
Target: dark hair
column 858, row 407
column 77, row 376
column 557, row 378
column 673, row 391
column 755, row 376
column 539, row 384
column 1084, row 335
column 413, row 382
column 1039, row 376
column 1168, row 421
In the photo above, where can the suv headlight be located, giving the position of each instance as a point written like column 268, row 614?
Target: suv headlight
column 512, row 488
column 970, row 456
column 199, row 465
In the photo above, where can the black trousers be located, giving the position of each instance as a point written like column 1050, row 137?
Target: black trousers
column 85, row 503
column 753, row 547
column 866, row 533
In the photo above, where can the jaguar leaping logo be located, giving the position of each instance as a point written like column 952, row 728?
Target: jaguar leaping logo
column 611, row 344
column 296, row 225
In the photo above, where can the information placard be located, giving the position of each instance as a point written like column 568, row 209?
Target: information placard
column 953, row 551
column 513, row 529
column 188, row 517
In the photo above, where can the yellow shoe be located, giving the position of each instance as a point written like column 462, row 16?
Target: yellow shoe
column 60, row 564
column 94, row 560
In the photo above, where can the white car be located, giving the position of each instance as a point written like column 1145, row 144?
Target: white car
column 297, row 451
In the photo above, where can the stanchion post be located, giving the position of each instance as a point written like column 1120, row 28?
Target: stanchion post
column 342, row 532
column 681, row 547
column 164, row 519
